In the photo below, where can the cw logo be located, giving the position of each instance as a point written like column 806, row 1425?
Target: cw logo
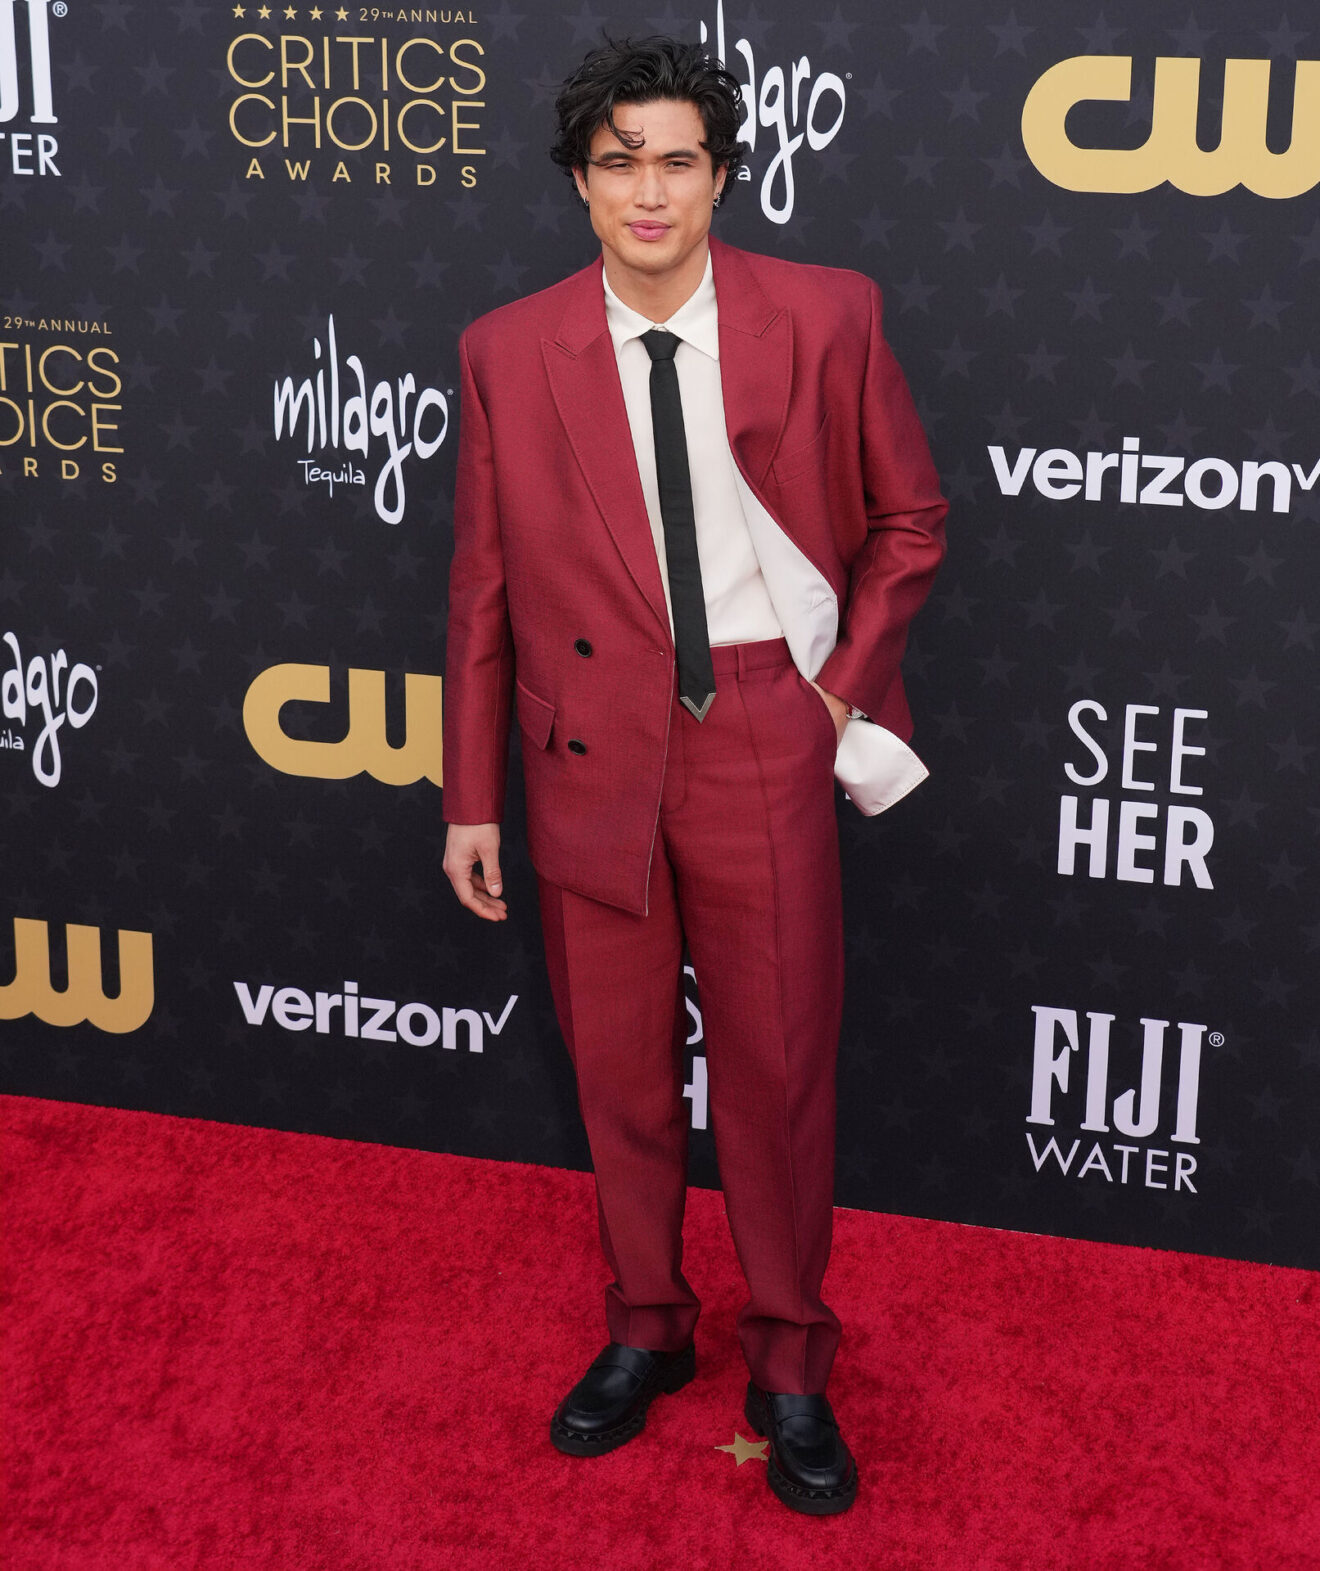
column 31, row 993
column 1170, row 152
column 365, row 747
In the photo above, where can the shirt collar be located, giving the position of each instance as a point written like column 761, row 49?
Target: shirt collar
column 696, row 321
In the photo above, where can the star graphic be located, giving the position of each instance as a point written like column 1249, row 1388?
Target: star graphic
column 916, row 294
column 240, row 11
column 923, row 33
column 1100, row 37
column 1176, row 305
column 1224, row 242
column 289, row 13
column 1045, row 235
column 1305, row 377
column 264, row 12
column 341, row 14
column 1300, row 630
column 836, row 32
column 1215, row 372
column 1190, row 39
column 879, row 98
column 315, row 13
column 963, row 100
column 1265, row 309
column 506, row 22
column 1005, row 167
column 920, row 165
column 1134, row 240
column 745, row 1450
column 1087, row 301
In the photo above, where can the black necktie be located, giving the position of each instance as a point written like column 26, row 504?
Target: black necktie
column 687, row 601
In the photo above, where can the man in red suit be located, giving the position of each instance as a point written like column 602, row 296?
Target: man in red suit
column 695, row 515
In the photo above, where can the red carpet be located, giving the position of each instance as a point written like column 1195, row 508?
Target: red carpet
column 230, row 1348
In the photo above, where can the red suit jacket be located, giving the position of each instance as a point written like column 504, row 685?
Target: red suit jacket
column 555, row 599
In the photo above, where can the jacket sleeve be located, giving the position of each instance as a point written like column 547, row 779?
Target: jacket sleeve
column 892, row 572
column 478, row 679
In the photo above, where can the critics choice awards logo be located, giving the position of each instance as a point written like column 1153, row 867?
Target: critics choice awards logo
column 374, row 103
column 60, row 396
column 361, row 94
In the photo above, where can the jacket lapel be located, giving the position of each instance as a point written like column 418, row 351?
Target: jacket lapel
column 584, row 382
column 756, row 362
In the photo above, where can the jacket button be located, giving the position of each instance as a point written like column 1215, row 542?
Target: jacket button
column 575, row 746
column 582, row 646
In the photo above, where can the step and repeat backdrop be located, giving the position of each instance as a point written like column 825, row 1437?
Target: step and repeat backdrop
column 237, row 245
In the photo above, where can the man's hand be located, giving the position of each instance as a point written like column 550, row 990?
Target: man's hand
column 837, row 707
column 466, row 845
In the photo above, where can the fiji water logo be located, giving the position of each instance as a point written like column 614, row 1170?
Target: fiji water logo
column 30, row 152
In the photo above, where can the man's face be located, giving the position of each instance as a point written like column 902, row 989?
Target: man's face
column 651, row 204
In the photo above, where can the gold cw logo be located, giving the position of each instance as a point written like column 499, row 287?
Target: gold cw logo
column 1170, row 152
column 365, row 747
column 83, row 998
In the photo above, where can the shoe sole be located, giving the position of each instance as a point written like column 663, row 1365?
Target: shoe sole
column 572, row 1442
column 797, row 1497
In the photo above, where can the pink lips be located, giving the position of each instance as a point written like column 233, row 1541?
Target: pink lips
column 646, row 231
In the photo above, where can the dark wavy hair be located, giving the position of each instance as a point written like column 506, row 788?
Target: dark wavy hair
column 640, row 71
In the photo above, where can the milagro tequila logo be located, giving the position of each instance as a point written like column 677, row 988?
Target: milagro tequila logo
column 30, row 152
column 47, row 691
column 793, row 104
column 339, row 417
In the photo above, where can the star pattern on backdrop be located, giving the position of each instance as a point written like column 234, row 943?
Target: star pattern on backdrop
column 1024, row 315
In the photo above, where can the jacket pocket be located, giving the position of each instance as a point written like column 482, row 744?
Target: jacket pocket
column 792, row 463
column 536, row 716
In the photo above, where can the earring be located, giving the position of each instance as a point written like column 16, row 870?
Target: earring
column 585, row 202
column 717, row 198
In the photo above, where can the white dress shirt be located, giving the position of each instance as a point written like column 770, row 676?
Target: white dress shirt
column 738, row 605
column 757, row 582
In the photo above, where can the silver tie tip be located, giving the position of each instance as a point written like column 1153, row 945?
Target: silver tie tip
column 699, row 710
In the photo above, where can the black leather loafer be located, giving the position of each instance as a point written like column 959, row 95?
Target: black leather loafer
column 607, row 1407
column 810, row 1468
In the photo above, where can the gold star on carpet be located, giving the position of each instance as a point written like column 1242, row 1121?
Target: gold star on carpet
column 315, row 13
column 264, row 13
column 289, row 12
column 745, row 1450
column 240, row 10
column 342, row 14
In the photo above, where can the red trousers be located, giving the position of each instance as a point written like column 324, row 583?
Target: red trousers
column 746, row 869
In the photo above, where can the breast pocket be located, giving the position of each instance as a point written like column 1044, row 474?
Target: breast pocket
column 536, row 716
column 800, row 459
